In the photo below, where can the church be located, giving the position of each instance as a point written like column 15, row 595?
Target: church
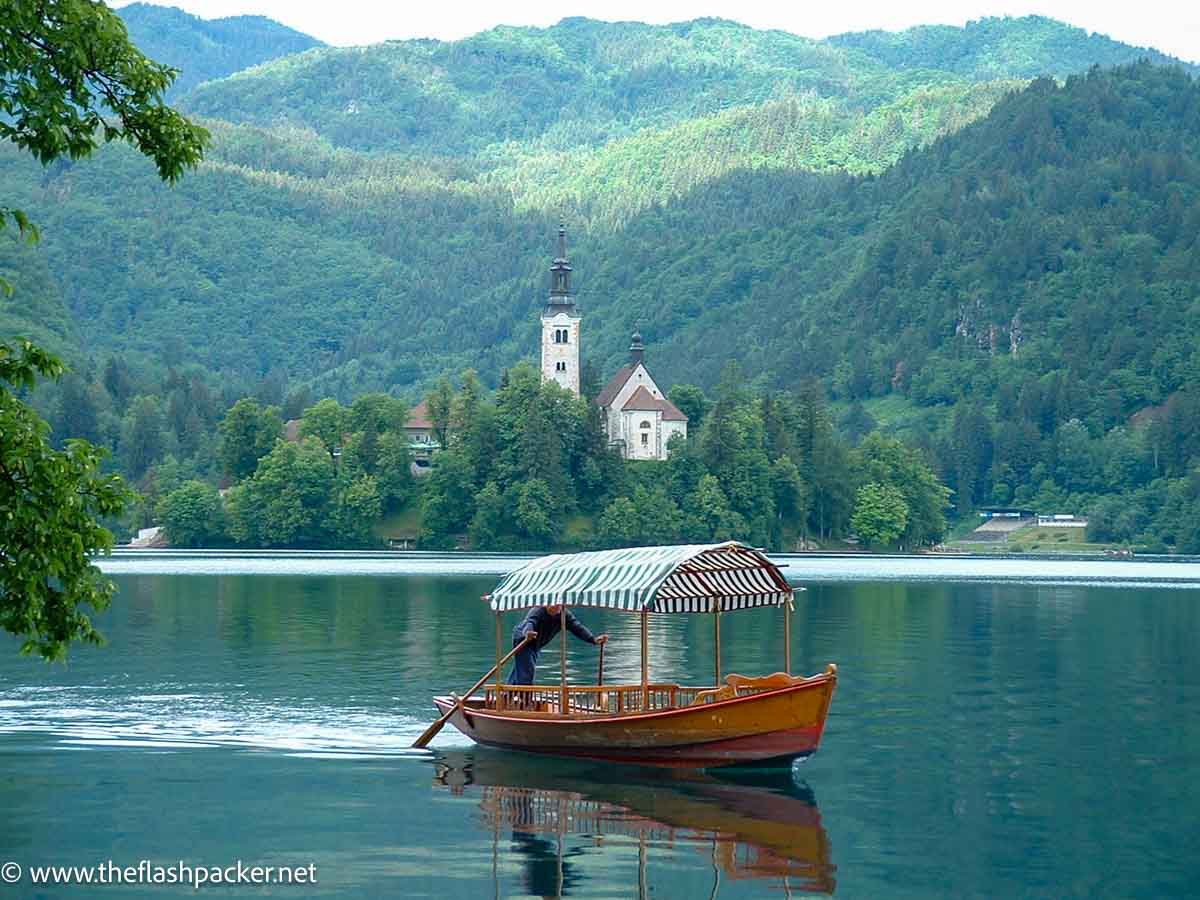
column 638, row 417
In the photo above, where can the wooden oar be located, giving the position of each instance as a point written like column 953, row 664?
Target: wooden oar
column 433, row 729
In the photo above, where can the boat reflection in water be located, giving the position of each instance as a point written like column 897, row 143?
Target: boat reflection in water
column 750, row 825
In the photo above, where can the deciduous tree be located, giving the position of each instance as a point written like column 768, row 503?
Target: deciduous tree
column 192, row 515
column 69, row 78
column 439, row 402
column 51, row 502
column 880, row 514
column 248, row 432
column 326, row 421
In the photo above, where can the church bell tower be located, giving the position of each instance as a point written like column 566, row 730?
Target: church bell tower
column 560, row 324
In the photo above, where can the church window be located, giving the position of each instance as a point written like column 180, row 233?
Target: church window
column 560, row 367
column 561, row 336
column 644, row 425
column 645, row 439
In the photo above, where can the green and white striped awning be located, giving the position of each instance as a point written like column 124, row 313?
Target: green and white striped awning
column 690, row 578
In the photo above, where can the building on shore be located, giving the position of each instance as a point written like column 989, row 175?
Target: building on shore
column 638, row 418
column 418, row 429
column 422, row 444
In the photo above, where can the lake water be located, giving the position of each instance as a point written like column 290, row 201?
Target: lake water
column 1001, row 728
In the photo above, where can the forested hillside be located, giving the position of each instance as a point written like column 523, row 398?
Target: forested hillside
column 343, row 269
column 204, row 49
column 1023, row 297
column 1056, row 233
column 578, row 83
column 1003, row 275
column 995, row 48
column 583, row 82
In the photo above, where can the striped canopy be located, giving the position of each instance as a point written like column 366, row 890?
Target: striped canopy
column 688, row 578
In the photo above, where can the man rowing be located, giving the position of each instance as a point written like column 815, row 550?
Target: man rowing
column 543, row 622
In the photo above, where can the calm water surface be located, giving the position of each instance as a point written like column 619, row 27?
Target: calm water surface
column 1001, row 729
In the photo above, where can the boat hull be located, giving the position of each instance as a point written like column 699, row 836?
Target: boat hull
column 772, row 727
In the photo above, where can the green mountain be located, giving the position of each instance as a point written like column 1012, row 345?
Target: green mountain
column 35, row 309
column 312, row 250
column 953, row 255
column 205, row 49
column 996, row 48
column 580, row 82
column 1056, row 234
column 586, row 83
column 1022, row 298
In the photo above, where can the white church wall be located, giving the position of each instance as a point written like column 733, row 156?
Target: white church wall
column 615, row 422
column 642, row 424
column 560, row 361
column 669, row 430
column 618, row 428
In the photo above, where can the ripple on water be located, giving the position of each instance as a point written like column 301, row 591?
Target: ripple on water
column 73, row 719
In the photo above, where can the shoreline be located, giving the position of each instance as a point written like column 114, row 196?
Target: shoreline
column 800, row 568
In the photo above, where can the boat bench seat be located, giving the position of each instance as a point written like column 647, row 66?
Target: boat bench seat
column 762, row 683
column 714, row 694
column 742, row 684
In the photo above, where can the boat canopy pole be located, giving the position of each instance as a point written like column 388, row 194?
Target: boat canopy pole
column 787, row 637
column 714, row 596
column 499, row 675
column 645, row 671
column 717, row 640
column 562, row 659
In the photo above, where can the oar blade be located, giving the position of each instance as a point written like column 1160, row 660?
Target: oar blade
column 431, row 732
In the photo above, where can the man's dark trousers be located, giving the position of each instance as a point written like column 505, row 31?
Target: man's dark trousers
column 524, row 663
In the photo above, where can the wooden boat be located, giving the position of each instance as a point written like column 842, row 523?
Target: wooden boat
column 738, row 720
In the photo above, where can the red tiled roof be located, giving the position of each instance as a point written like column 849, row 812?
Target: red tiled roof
column 606, row 396
column 419, row 417
column 642, row 400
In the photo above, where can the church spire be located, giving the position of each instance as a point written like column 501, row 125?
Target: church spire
column 637, row 350
column 560, row 272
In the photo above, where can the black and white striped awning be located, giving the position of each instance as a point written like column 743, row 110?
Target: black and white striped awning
column 686, row 579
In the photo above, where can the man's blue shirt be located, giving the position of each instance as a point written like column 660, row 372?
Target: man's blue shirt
column 547, row 626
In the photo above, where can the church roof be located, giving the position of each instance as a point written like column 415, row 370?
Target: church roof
column 643, row 400
column 418, row 418
column 606, row 396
